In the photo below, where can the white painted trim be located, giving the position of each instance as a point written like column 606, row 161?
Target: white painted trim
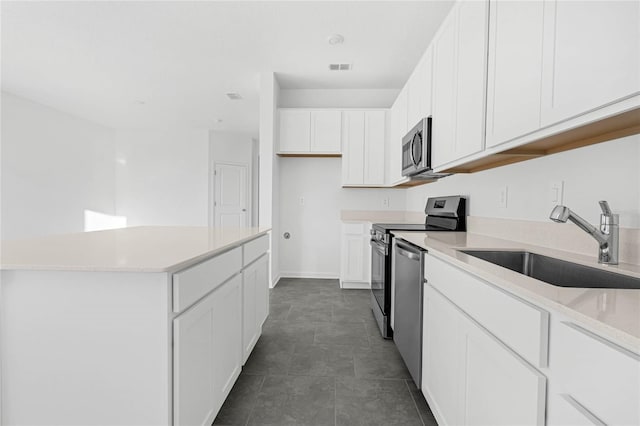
column 355, row 285
column 320, row 275
column 274, row 282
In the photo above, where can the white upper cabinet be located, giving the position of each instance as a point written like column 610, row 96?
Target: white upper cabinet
column 303, row 131
column 444, row 81
column 591, row 56
column 364, row 135
column 419, row 90
column 459, row 83
column 295, row 130
column 326, row 131
column 397, row 129
column 514, row 76
column 375, row 138
column 471, row 61
column 353, row 149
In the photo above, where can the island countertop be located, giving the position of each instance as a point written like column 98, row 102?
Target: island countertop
column 135, row 249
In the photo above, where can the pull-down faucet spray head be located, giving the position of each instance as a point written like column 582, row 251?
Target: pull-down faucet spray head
column 607, row 236
column 560, row 214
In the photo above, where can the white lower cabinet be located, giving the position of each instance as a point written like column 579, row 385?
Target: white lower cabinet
column 255, row 301
column 470, row 377
column 207, row 359
column 594, row 379
column 355, row 259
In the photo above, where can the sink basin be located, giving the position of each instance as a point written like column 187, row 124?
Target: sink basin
column 554, row 271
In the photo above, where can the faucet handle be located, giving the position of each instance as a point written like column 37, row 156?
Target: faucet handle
column 606, row 210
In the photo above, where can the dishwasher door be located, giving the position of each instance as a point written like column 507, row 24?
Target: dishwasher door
column 407, row 332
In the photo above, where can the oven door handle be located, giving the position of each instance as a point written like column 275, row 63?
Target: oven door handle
column 379, row 247
column 406, row 253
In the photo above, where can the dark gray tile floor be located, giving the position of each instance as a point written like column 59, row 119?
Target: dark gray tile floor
column 321, row 361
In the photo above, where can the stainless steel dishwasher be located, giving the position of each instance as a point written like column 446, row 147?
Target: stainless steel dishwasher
column 407, row 332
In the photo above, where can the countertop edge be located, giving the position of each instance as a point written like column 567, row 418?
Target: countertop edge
column 124, row 269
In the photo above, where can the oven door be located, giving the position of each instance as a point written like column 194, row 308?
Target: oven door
column 379, row 253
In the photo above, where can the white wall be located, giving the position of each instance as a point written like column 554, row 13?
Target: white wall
column 54, row 166
column 606, row 171
column 162, row 177
column 337, row 98
column 311, row 199
column 314, row 247
column 268, row 197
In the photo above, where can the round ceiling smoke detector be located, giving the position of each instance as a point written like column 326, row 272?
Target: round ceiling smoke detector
column 335, row 39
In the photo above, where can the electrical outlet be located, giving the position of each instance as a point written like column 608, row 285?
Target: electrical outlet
column 556, row 192
column 302, row 201
column 385, row 201
column 502, row 200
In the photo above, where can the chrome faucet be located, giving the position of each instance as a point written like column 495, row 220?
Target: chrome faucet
column 607, row 236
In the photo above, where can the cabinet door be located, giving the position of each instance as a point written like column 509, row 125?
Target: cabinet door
column 255, row 303
column 590, row 56
column 262, row 291
column 227, row 338
column 295, row 130
column 326, row 131
column 514, row 76
column 353, row 149
column 374, row 136
column 353, row 257
column 441, row 349
column 600, row 375
column 419, row 90
column 249, row 310
column 194, row 392
column 471, row 65
column 398, row 127
column 444, row 92
column 500, row 388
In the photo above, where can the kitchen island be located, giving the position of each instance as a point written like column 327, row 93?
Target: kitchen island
column 144, row 325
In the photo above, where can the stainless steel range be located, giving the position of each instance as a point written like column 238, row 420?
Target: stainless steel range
column 443, row 214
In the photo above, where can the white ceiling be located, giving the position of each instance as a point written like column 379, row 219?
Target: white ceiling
column 100, row 60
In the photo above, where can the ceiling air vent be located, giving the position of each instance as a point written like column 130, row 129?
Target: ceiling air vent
column 234, row 96
column 339, row 67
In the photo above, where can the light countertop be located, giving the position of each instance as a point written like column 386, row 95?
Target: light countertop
column 612, row 313
column 381, row 216
column 136, row 249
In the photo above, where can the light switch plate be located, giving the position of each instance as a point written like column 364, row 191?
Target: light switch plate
column 556, row 192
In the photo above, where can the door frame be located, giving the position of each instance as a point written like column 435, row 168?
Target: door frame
column 212, row 191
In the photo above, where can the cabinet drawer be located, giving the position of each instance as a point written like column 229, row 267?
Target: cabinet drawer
column 193, row 283
column 520, row 325
column 254, row 249
column 601, row 376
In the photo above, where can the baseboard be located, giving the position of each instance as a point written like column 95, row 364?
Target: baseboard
column 274, row 282
column 319, row 275
column 356, row 285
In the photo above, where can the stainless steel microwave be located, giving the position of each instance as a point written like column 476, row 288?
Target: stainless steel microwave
column 416, row 149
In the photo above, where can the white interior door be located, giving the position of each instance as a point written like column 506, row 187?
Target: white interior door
column 231, row 195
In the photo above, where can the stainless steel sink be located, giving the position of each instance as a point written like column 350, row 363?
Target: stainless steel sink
column 554, row 271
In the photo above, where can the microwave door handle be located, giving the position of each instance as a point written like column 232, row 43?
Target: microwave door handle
column 411, row 150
